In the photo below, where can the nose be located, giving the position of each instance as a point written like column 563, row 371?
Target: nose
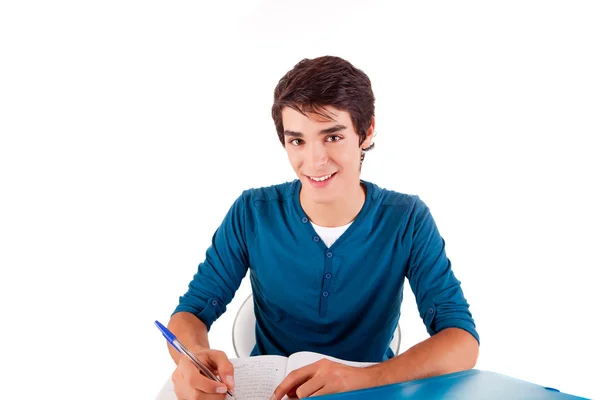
column 317, row 155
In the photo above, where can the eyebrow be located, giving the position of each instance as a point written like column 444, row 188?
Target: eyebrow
column 333, row 129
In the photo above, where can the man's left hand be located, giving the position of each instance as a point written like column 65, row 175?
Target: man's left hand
column 323, row 377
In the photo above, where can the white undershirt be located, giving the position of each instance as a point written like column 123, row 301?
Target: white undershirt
column 330, row 235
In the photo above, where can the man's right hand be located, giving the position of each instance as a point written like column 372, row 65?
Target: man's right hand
column 191, row 384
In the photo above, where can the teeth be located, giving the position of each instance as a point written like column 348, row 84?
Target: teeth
column 321, row 179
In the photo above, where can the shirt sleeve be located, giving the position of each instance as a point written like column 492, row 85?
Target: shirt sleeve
column 438, row 292
column 226, row 263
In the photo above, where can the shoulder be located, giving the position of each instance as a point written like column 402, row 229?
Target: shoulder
column 254, row 205
column 260, row 197
column 277, row 193
column 400, row 211
column 396, row 202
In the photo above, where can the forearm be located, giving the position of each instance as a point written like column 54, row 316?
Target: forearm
column 190, row 331
column 448, row 351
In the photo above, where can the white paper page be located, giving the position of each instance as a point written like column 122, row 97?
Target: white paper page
column 302, row 358
column 257, row 377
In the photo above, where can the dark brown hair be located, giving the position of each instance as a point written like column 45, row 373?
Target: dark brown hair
column 326, row 81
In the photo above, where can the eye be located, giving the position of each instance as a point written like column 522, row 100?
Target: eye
column 295, row 142
column 334, row 138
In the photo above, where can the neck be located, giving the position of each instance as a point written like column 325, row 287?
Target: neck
column 337, row 213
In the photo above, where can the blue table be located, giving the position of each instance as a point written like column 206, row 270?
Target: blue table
column 472, row 385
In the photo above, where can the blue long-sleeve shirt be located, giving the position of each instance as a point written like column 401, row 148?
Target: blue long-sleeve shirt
column 343, row 301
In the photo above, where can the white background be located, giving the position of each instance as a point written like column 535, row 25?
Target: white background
column 129, row 128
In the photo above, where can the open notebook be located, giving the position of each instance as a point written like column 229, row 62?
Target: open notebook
column 257, row 377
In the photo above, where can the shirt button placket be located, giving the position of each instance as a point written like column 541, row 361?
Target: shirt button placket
column 326, row 291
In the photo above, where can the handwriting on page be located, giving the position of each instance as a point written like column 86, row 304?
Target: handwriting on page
column 255, row 380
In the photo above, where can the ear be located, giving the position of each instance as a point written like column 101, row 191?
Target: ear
column 370, row 134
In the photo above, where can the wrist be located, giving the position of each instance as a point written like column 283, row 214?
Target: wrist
column 198, row 348
column 379, row 374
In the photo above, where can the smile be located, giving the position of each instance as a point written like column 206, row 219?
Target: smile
column 321, row 178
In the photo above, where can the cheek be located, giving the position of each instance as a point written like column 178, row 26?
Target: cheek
column 294, row 158
column 348, row 160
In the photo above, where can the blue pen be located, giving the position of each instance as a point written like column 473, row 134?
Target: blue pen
column 183, row 350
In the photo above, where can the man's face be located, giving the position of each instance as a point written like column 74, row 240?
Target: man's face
column 324, row 153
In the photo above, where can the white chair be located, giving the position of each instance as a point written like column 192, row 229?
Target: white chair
column 244, row 338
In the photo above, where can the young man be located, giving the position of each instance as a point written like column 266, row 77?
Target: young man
column 328, row 255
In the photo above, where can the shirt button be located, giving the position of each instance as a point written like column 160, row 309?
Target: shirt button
column 329, row 254
column 316, row 238
column 325, row 294
column 214, row 302
column 431, row 311
column 304, row 220
column 328, row 276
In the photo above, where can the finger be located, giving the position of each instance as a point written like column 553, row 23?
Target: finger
column 187, row 393
column 321, row 392
column 178, row 387
column 292, row 393
column 205, row 359
column 295, row 379
column 198, row 395
column 310, row 386
column 206, row 385
column 196, row 381
column 178, row 393
column 224, row 367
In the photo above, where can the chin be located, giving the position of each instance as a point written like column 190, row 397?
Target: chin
column 322, row 199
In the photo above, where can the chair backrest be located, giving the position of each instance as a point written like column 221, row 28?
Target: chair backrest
column 243, row 333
